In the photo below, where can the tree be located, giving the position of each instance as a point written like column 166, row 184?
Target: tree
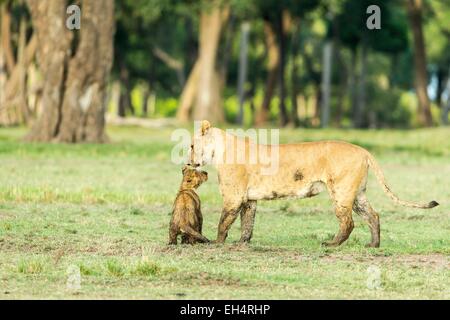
column 295, row 83
column 208, row 103
column 273, row 61
column 243, row 65
column 77, row 67
column 446, row 107
column 354, row 34
column 15, row 59
column 201, row 97
column 278, row 16
column 6, row 35
column 326, row 75
column 437, row 34
column 153, row 63
column 420, row 61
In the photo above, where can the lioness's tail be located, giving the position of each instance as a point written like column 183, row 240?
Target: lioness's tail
column 380, row 177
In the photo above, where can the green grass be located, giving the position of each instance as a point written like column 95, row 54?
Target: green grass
column 105, row 209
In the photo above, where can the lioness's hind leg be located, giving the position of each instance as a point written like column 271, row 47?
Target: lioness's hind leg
column 247, row 221
column 362, row 207
column 343, row 197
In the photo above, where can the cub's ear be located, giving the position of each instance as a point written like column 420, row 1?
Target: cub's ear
column 185, row 167
column 205, row 127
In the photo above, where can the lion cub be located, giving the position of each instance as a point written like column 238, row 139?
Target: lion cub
column 187, row 218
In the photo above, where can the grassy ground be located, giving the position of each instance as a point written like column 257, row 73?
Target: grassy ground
column 105, row 210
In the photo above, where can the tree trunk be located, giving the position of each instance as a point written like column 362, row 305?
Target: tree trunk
column 420, row 62
column 440, row 87
column 74, row 93
column 243, row 64
column 201, row 97
column 114, row 97
column 2, row 79
column 340, row 101
column 191, row 52
column 13, row 100
column 209, row 102
column 273, row 53
column 343, row 80
column 6, row 36
column 11, row 111
column 446, row 107
column 188, row 94
column 315, row 121
column 53, row 55
column 227, row 48
column 21, row 106
column 295, row 86
column 145, row 97
column 358, row 120
column 13, row 97
column 34, row 89
column 445, row 112
column 125, row 92
column 282, row 30
column 172, row 63
column 326, row 83
column 353, row 83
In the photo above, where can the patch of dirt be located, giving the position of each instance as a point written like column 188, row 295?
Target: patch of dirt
column 63, row 248
column 6, row 214
column 434, row 261
column 231, row 252
column 207, row 279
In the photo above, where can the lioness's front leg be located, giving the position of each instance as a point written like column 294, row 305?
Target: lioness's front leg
column 247, row 220
column 229, row 215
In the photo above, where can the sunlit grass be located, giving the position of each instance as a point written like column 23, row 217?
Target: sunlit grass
column 106, row 209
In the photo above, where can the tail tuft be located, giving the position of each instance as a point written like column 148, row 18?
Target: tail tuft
column 433, row 204
column 380, row 177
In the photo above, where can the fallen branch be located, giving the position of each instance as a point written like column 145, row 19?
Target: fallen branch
column 141, row 122
column 172, row 63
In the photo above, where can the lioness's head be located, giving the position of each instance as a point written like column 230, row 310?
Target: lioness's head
column 202, row 146
column 193, row 178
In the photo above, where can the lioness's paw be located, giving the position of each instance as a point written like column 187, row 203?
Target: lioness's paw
column 372, row 245
column 330, row 244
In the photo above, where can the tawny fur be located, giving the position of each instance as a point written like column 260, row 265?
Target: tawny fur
column 187, row 217
column 305, row 170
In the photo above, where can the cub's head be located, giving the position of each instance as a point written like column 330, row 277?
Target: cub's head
column 193, row 178
column 202, row 146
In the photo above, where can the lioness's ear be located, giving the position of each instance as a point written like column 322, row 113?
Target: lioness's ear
column 205, row 127
column 205, row 175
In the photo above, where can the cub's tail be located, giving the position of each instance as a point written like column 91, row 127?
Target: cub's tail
column 380, row 177
column 194, row 233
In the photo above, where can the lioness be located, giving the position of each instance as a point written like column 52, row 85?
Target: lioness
column 304, row 170
column 187, row 217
